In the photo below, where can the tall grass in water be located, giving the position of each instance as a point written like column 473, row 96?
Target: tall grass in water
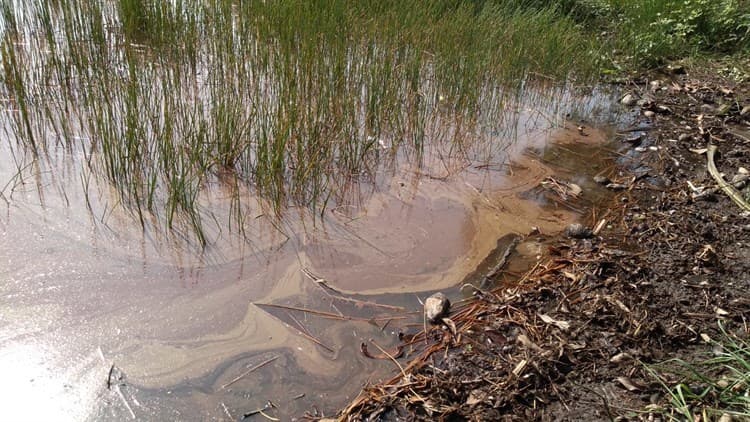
column 293, row 98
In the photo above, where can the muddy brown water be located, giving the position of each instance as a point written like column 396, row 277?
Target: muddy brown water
column 99, row 320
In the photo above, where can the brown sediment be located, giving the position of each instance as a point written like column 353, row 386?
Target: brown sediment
column 400, row 241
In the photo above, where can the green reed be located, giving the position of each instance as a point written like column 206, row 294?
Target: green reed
column 294, row 99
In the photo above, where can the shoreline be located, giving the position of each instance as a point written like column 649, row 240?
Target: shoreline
column 664, row 277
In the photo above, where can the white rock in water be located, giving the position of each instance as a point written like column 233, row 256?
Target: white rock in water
column 436, row 306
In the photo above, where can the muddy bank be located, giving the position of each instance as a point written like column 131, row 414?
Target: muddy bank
column 572, row 338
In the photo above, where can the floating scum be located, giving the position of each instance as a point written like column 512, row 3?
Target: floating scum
column 293, row 100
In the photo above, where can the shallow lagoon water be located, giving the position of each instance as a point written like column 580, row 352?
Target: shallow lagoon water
column 107, row 314
column 81, row 292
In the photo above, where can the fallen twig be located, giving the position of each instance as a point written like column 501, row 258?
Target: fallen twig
column 367, row 354
column 326, row 314
column 254, row 368
column 305, row 333
column 260, row 411
column 393, row 359
column 726, row 187
column 109, row 376
column 124, row 401
column 323, row 284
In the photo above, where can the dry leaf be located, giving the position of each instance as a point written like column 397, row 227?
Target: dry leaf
column 618, row 303
column 571, row 276
column 563, row 325
column 476, row 396
column 629, row 384
column 450, row 324
column 620, row 357
column 528, row 343
column 576, row 346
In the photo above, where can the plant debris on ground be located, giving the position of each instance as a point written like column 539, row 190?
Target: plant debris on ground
column 624, row 324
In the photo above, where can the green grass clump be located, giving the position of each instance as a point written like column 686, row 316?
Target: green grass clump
column 644, row 33
column 710, row 388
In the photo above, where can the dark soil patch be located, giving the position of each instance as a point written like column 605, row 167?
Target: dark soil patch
column 570, row 342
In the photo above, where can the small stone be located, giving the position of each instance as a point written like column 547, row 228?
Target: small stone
column 745, row 110
column 578, row 231
column 436, row 306
column 602, row 180
column 628, row 100
column 649, row 113
column 655, row 85
column 663, row 109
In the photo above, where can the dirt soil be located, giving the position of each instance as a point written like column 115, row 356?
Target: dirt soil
column 668, row 266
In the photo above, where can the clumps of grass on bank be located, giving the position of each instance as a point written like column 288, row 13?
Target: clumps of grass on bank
column 644, row 33
column 708, row 389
